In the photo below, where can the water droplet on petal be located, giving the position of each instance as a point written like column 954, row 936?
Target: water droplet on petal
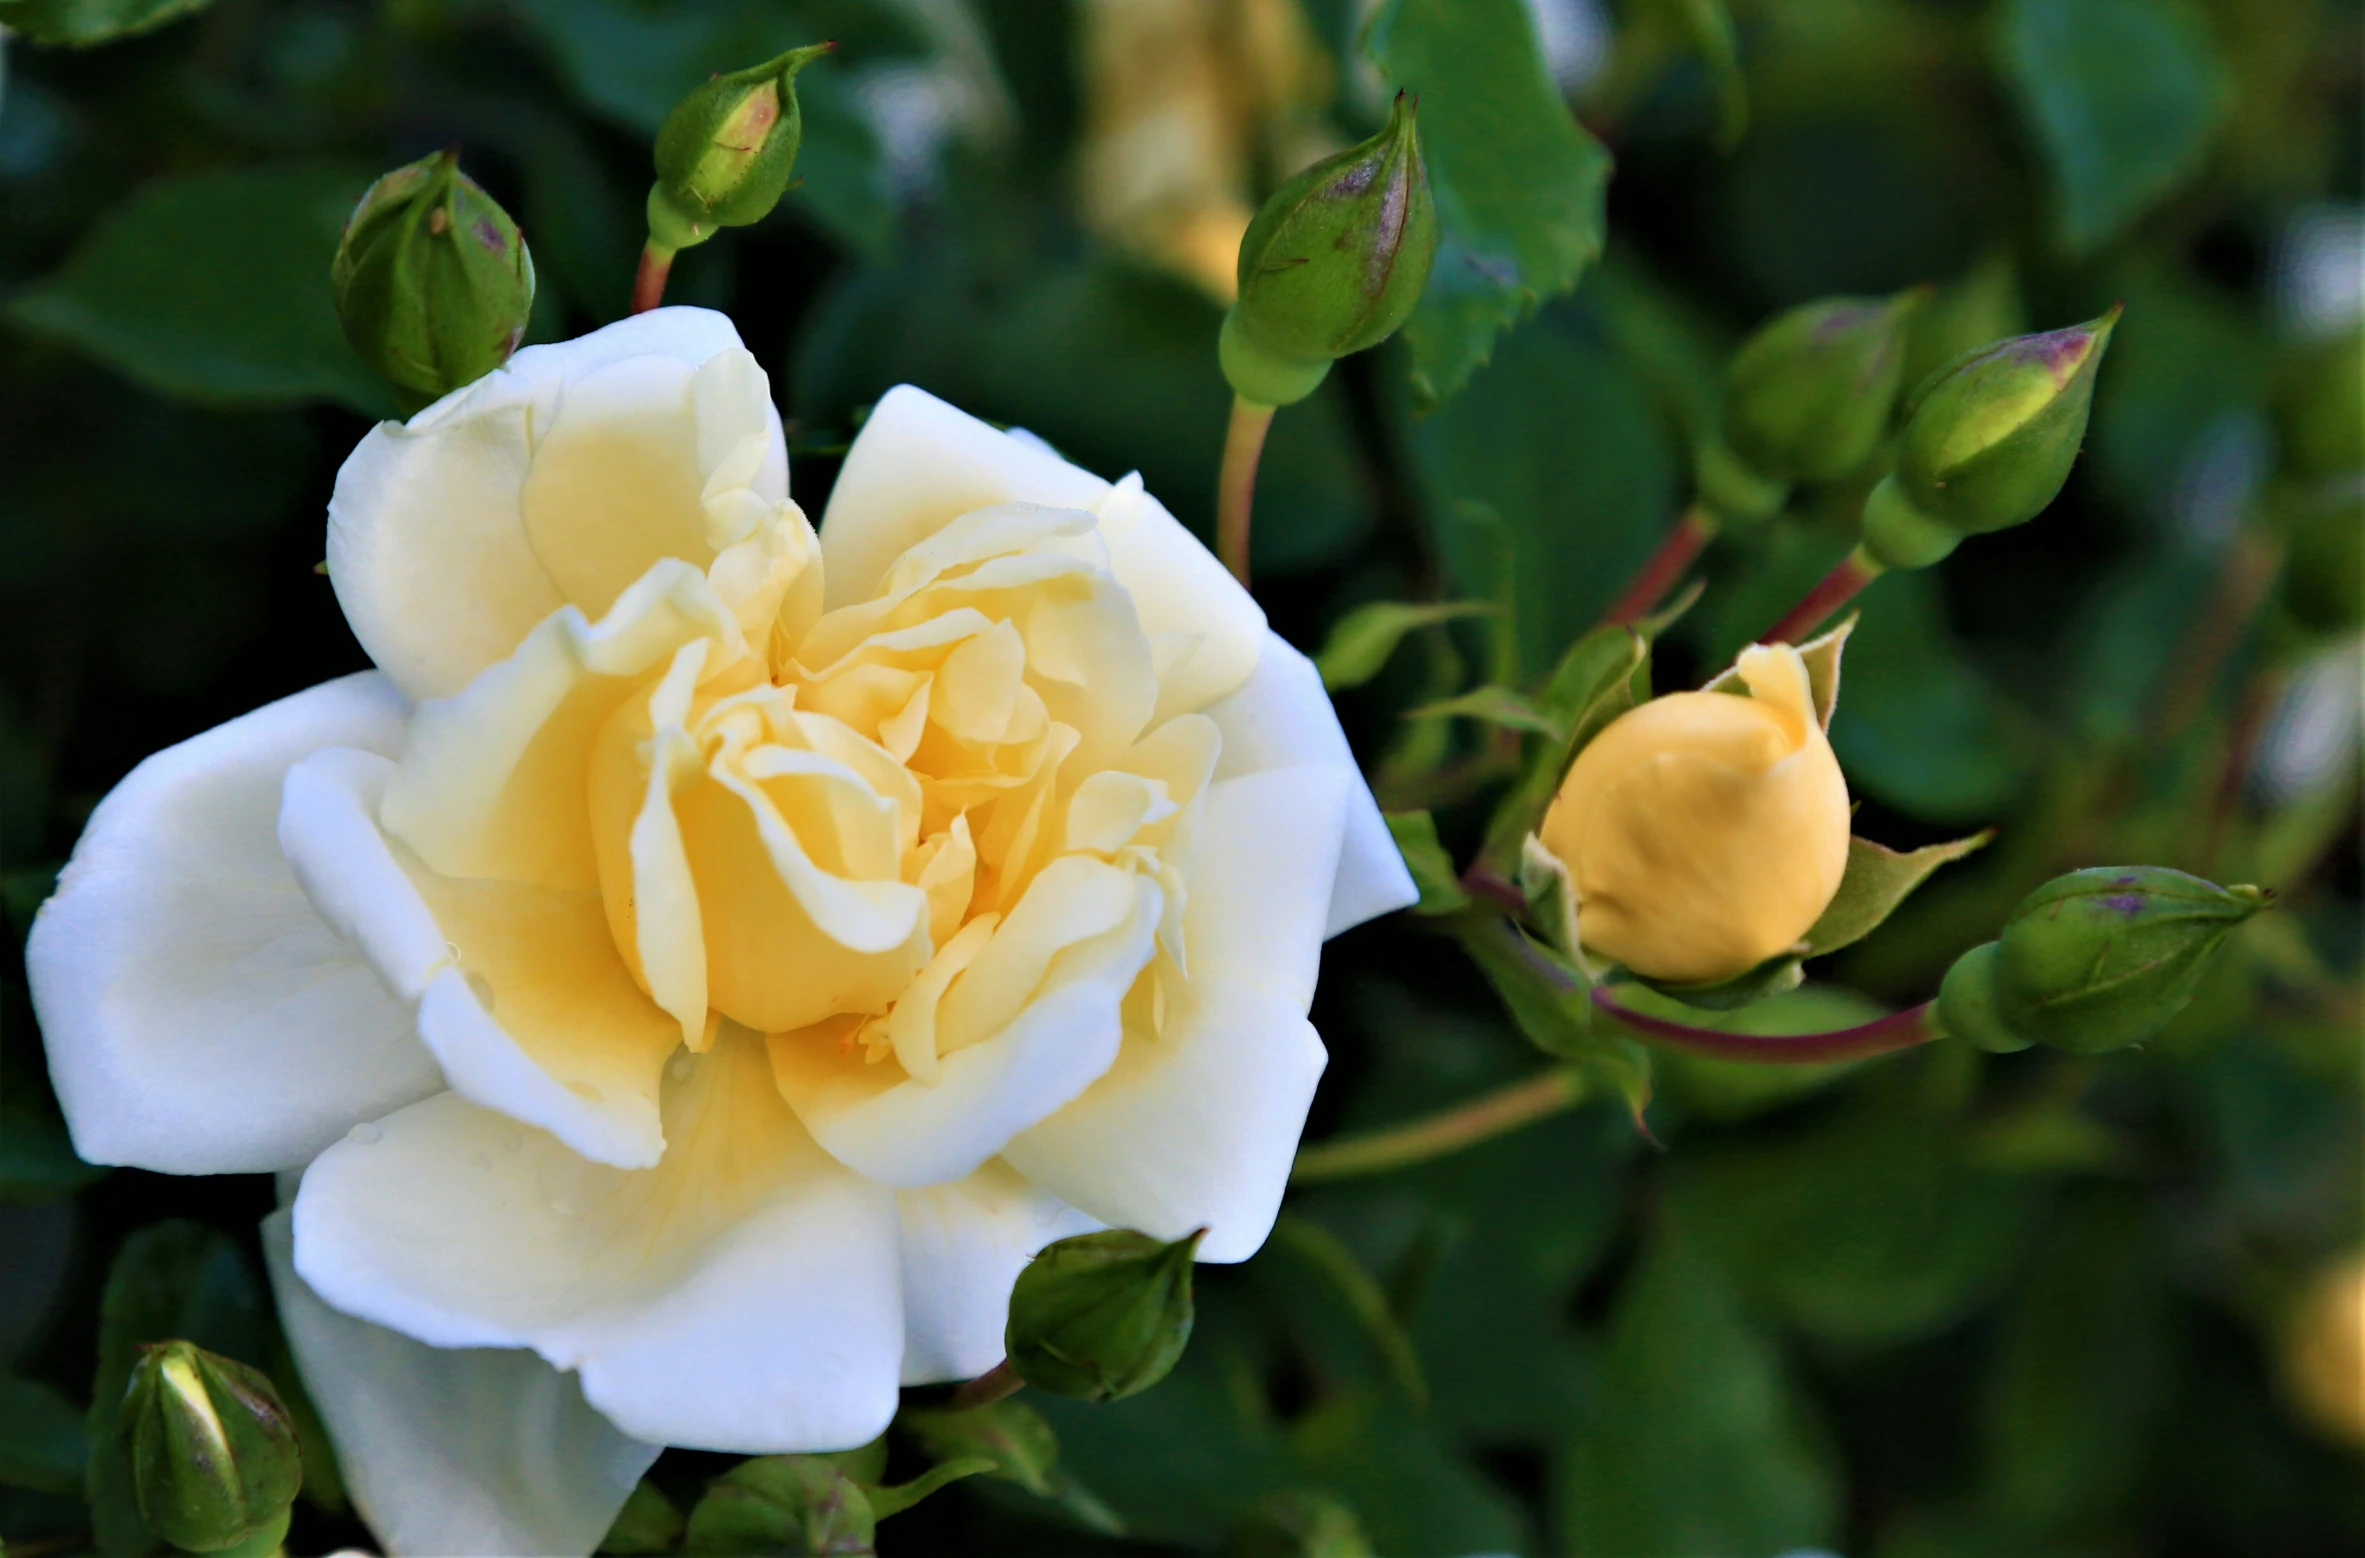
column 365, row 1133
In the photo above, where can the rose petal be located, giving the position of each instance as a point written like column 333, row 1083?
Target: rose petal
column 522, row 995
column 744, row 1295
column 918, row 464
column 1282, row 718
column 200, row 1017
column 964, row 1244
column 1195, row 1128
column 1268, row 851
column 1046, row 1012
column 454, row 1450
column 430, row 546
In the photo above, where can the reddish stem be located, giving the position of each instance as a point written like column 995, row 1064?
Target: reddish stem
column 1837, row 588
column 1244, row 443
column 1667, row 565
column 1899, row 1030
column 648, row 283
column 988, row 1388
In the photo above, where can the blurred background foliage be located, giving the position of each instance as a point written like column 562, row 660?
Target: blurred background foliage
column 1938, row 1306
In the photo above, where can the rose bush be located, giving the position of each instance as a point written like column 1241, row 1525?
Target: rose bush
column 712, row 955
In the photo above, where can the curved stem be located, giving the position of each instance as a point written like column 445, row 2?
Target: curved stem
column 1898, row 1030
column 991, row 1386
column 1667, row 565
column 1489, row 1115
column 1837, row 588
column 1244, row 443
column 648, row 283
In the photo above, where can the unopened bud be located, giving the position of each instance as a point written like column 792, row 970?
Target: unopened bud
column 213, row 1454
column 725, row 152
column 1988, row 442
column 1299, row 1524
column 784, row 1505
column 1102, row 1315
column 433, row 281
column 2093, row 961
column 1332, row 264
column 1808, row 397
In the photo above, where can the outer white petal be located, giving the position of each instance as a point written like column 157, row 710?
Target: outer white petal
column 522, row 997
column 963, row 1247
column 427, row 544
column 454, row 1450
column 909, row 1134
column 200, row 1017
column 744, row 1295
column 1195, row 1128
column 919, row 463
column 1268, row 854
column 1282, row 718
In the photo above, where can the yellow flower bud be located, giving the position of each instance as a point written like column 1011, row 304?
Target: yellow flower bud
column 1703, row 832
column 2324, row 1350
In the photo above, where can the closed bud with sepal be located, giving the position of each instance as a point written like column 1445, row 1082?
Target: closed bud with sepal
column 1332, row 264
column 726, row 151
column 433, row 281
column 1808, row 397
column 213, row 1453
column 2093, row 961
column 1102, row 1315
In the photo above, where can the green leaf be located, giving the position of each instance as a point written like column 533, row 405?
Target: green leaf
column 1496, row 706
column 1410, row 1489
column 894, row 1500
column 1604, row 674
column 1309, row 1249
column 37, row 1161
column 174, row 1279
column 648, row 1523
column 1361, row 641
column 1518, row 181
column 1551, row 1001
column 214, row 287
column 43, row 1443
column 1695, row 1441
column 2123, row 97
column 1432, row 869
column 1876, row 881
column 82, row 23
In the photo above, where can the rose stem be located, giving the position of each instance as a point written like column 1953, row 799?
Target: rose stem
column 1236, row 484
column 1839, row 586
column 1898, row 1030
column 986, row 1389
column 1691, row 535
column 648, row 284
column 1489, row 1115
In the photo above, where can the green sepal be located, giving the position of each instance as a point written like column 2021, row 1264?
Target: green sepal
column 1496, row 706
column 1019, row 1447
column 1602, row 675
column 895, row 1499
column 1415, row 833
column 1361, row 641
column 1551, row 1000
column 1822, row 656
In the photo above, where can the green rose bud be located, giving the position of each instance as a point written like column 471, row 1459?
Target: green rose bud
column 1808, row 397
column 1332, row 264
column 1102, row 1315
column 433, row 281
column 213, row 1453
column 725, row 153
column 784, row 1504
column 2093, row 961
column 1299, row 1525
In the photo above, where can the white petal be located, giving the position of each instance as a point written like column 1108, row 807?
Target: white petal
column 1268, row 854
column 743, row 1295
column 454, row 1450
column 907, row 1133
column 963, row 1246
column 1195, row 1128
column 918, row 464
column 200, row 1017
column 1282, row 718
column 522, row 996
column 428, row 544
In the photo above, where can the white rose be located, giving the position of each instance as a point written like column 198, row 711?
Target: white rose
column 711, row 956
